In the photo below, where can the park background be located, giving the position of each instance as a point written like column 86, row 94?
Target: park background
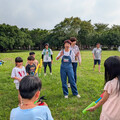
column 26, row 25
column 90, row 85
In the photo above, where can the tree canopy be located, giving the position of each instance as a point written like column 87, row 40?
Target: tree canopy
column 87, row 34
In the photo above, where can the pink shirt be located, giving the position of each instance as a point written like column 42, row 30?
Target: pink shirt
column 111, row 108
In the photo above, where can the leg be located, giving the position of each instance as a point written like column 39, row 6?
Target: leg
column 45, row 66
column 19, row 99
column 64, row 81
column 70, row 74
column 49, row 64
column 74, row 70
column 99, row 65
column 95, row 62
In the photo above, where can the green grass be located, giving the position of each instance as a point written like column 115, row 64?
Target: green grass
column 90, row 85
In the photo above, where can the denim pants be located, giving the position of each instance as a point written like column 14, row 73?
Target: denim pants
column 75, row 69
column 64, row 73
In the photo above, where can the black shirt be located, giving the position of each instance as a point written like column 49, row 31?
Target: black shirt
column 30, row 69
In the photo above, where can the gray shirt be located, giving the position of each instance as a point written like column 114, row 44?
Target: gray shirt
column 97, row 53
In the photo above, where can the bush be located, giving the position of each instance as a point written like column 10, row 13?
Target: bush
column 115, row 48
column 104, row 48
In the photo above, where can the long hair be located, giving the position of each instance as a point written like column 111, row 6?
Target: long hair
column 112, row 69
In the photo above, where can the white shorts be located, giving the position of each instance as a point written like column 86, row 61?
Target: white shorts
column 17, row 85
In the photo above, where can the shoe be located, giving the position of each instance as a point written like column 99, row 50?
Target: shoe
column 66, row 96
column 78, row 96
column 45, row 74
column 50, row 73
column 68, row 85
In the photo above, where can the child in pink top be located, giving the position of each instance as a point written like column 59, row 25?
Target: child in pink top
column 111, row 97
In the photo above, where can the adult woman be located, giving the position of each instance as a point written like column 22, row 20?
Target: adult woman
column 67, row 70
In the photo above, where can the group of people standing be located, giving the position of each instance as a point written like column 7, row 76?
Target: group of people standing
column 70, row 57
column 29, row 85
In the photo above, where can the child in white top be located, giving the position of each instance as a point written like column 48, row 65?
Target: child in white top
column 18, row 73
column 111, row 98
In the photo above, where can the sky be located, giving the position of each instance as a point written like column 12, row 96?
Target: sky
column 45, row 14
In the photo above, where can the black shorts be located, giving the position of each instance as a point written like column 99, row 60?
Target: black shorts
column 97, row 61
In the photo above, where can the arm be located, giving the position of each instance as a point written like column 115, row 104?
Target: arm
column 51, row 58
column 78, row 55
column 79, row 58
column 93, row 56
column 93, row 53
column 42, row 56
column 59, row 55
column 16, row 78
column 101, row 102
column 13, row 75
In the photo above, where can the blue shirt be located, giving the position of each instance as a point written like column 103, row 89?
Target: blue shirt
column 36, row 113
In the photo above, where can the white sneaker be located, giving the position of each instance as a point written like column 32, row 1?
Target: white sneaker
column 78, row 96
column 50, row 73
column 68, row 85
column 45, row 74
column 66, row 96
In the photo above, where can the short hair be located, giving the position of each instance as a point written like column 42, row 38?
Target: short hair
column 32, row 53
column 72, row 39
column 31, row 58
column 97, row 43
column 18, row 59
column 67, row 41
column 29, row 85
column 46, row 44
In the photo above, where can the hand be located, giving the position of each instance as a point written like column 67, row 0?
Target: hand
column 79, row 64
column 91, row 109
column 44, row 103
column 77, row 54
column 19, row 79
column 51, row 61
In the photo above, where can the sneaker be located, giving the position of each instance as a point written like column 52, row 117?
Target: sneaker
column 78, row 96
column 66, row 96
column 45, row 74
column 50, row 73
column 68, row 85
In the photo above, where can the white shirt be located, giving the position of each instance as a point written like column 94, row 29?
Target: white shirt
column 46, row 57
column 67, row 54
column 18, row 72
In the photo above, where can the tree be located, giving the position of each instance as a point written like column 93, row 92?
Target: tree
column 86, row 30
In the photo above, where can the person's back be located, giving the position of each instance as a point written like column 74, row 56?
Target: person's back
column 29, row 90
column 36, row 113
column 112, row 104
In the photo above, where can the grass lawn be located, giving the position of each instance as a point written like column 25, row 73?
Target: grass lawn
column 90, row 85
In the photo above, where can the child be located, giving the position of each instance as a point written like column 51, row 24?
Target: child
column 30, row 68
column 47, row 56
column 111, row 97
column 35, row 61
column 18, row 73
column 97, row 56
column 30, row 87
column 66, row 69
